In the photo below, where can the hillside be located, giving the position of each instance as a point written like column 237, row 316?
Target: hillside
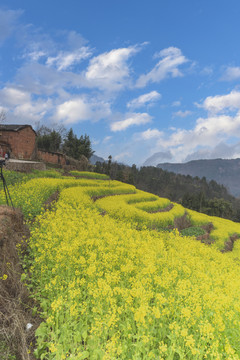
column 119, row 273
column 195, row 193
column 226, row 172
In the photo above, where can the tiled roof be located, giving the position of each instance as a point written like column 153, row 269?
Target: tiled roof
column 4, row 127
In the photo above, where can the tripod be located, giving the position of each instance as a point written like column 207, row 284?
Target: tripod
column 7, row 194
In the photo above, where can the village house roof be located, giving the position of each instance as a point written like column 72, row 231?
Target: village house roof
column 18, row 127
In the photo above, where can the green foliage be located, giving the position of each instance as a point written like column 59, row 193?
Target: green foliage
column 193, row 231
column 193, row 193
column 48, row 140
column 16, row 177
column 75, row 147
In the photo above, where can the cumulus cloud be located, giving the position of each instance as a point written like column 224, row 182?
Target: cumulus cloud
column 22, row 107
column 13, row 96
column 221, row 150
column 32, row 111
column 207, row 133
column 151, row 134
column 130, row 120
column 170, row 60
column 80, row 109
column 110, row 70
column 65, row 60
column 208, row 138
column 231, row 73
column 182, row 114
column 145, row 99
column 219, row 103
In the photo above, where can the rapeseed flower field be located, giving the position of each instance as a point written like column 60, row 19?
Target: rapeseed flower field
column 113, row 284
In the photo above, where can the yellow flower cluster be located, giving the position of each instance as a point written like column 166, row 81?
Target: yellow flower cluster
column 89, row 175
column 222, row 229
column 111, row 291
column 128, row 207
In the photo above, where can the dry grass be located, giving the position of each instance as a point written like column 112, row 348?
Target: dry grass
column 15, row 304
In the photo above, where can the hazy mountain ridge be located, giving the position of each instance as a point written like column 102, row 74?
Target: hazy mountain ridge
column 94, row 158
column 223, row 171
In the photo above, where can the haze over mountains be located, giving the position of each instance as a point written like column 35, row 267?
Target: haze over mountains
column 223, row 171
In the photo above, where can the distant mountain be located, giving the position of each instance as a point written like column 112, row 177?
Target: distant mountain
column 226, row 172
column 158, row 158
column 94, row 158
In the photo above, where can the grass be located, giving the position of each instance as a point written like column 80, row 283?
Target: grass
column 5, row 352
column 89, row 175
column 193, row 231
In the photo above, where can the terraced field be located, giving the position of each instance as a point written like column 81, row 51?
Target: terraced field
column 115, row 279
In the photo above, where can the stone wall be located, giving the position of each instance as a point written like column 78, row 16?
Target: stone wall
column 51, row 157
column 24, row 166
column 63, row 160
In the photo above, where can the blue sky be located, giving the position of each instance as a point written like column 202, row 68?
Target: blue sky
column 139, row 77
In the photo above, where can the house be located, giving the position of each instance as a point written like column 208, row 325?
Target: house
column 19, row 141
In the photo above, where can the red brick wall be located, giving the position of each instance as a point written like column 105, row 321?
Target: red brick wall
column 22, row 143
column 51, row 157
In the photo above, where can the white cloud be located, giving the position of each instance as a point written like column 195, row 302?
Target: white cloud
column 221, row 150
column 151, row 134
column 81, row 109
column 144, row 99
column 32, row 111
column 182, row 114
column 21, row 106
column 40, row 79
column 219, row 127
column 171, row 59
column 132, row 119
column 223, row 124
column 122, row 156
column 208, row 132
column 110, row 70
column 218, row 103
column 231, row 73
column 73, row 111
column 12, row 96
column 35, row 55
column 65, row 60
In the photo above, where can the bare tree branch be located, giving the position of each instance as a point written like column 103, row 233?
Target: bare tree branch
column 3, row 116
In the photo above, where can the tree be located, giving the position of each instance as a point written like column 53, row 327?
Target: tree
column 109, row 165
column 84, row 146
column 48, row 140
column 75, row 147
